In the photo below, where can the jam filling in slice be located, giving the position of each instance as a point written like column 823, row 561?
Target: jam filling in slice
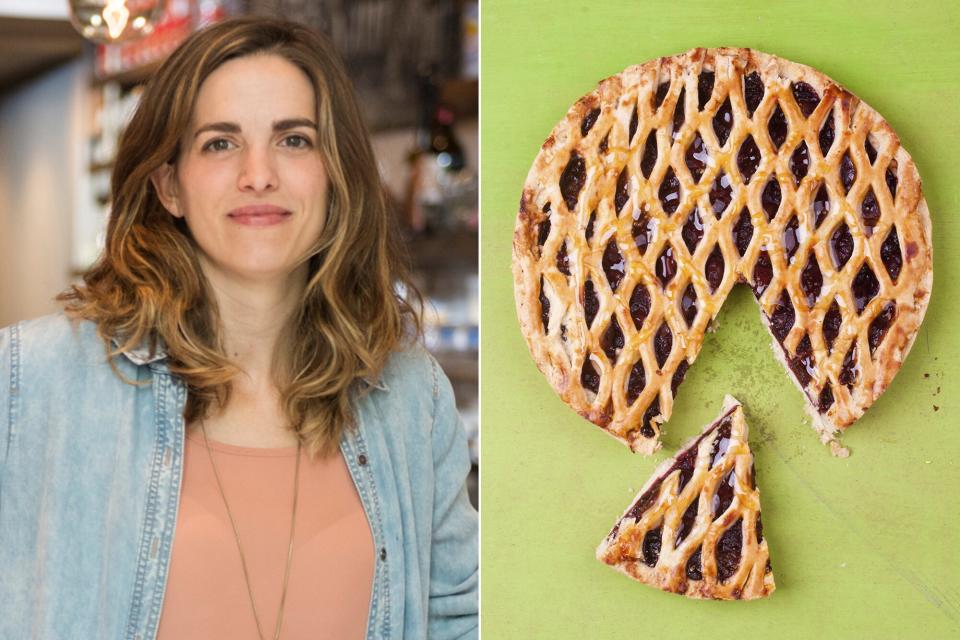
column 791, row 238
column 841, row 246
column 871, row 152
column 848, row 172
column 634, row 121
column 651, row 546
column 642, row 230
column 800, row 162
column 831, row 325
column 612, row 340
column 666, row 266
column 821, row 206
column 803, row 364
column 678, row 114
column 890, row 254
column 688, row 304
column 748, row 159
column 782, row 317
column 865, row 287
column 662, row 90
column 880, row 325
column 563, row 260
column 811, row 280
column 678, row 376
column 762, row 273
column 869, row 212
column 544, row 308
column 728, row 551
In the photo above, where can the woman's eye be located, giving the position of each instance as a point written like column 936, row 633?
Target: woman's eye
column 217, row 144
column 297, row 142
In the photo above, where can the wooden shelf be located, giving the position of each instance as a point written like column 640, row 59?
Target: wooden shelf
column 459, row 365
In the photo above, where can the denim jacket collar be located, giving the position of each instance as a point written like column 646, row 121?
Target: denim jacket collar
column 142, row 355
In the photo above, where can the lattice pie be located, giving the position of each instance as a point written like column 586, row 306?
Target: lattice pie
column 695, row 527
column 678, row 178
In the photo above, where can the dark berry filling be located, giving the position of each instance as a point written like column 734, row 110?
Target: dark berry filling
column 591, row 304
column 692, row 231
column 827, row 135
column 687, row 522
column 723, row 122
column 563, row 261
column 890, row 254
column 543, row 232
column 811, row 280
column 821, row 206
column 623, row 190
column 831, row 325
column 825, row 399
column 720, row 193
column 752, row 91
column 748, row 159
column 694, row 569
column 588, row 121
column 777, row 127
column 614, row 266
column 762, row 274
column 720, row 443
column 649, row 154
column 870, row 212
column 633, row 126
column 841, row 246
column 688, row 304
column 848, row 172
column 639, row 305
column 800, row 162
column 728, row 551
column 806, row 96
column 589, row 377
column 652, row 412
column 588, row 232
column 666, row 266
column 544, row 307
column 724, row 495
column 848, row 370
column 880, row 325
column 651, row 546
column 865, row 287
column 782, row 317
column 572, row 180
column 697, row 157
column 663, row 344
column 803, row 364
column 704, row 88
column 743, row 231
column 678, row 114
column 770, row 198
column 678, row 376
column 636, row 382
column 715, row 268
column 642, row 230
column 670, row 192
column 791, row 240
column 871, row 152
column 661, row 94
column 612, row 340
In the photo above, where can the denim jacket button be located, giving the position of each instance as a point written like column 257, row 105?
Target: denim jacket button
column 383, row 553
column 362, row 459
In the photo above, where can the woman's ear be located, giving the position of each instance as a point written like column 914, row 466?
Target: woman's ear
column 165, row 183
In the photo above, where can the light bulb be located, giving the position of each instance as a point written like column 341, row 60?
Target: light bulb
column 107, row 21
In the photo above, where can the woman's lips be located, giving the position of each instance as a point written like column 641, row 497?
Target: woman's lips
column 259, row 215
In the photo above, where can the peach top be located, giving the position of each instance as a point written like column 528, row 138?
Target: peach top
column 331, row 575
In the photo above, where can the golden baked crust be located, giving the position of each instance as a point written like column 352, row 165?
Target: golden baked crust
column 598, row 218
column 695, row 527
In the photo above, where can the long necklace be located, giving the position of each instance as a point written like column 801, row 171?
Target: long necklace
column 236, row 532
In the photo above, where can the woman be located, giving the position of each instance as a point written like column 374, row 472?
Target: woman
column 264, row 449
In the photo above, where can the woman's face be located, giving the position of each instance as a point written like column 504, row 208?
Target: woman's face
column 250, row 179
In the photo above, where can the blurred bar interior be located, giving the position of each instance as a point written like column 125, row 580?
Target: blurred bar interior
column 65, row 99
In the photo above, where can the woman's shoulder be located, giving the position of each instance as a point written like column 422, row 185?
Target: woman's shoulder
column 53, row 336
column 411, row 370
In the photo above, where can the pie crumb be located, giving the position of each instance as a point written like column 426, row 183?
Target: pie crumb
column 838, row 450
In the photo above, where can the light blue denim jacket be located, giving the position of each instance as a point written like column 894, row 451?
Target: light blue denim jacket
column 90, row 471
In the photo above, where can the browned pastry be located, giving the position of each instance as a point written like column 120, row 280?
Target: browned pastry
column 678, row 178
column 695, row 528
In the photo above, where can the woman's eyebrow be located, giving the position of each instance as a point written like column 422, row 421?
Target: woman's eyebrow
column 279, row 125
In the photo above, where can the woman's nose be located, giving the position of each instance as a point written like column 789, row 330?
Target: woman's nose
column 257, row 170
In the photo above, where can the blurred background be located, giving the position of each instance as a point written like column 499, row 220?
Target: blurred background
column 71, row 73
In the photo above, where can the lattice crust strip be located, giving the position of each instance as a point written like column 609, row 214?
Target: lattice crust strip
column 683, row 176
column 695, row 528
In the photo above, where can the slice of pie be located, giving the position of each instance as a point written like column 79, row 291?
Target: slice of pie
column 694, row 528
column 679, row 178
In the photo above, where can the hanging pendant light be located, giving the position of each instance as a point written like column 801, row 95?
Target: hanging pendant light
column 107, row 21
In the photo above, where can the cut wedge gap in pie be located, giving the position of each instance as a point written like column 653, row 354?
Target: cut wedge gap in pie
column 695, row 529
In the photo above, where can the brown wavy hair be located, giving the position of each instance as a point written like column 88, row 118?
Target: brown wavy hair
column 147, row 283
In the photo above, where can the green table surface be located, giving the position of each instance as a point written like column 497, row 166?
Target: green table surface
column 864, row 547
